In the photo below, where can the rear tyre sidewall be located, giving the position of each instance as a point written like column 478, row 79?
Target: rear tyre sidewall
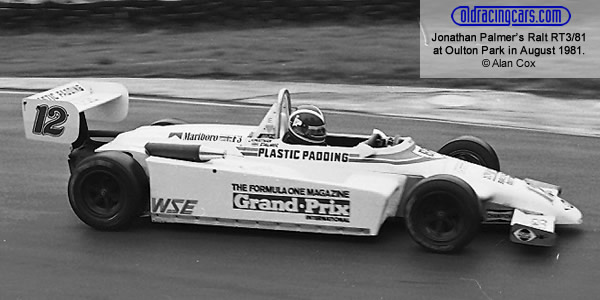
column 443, row 214
column 168, row 122
column 107, row 190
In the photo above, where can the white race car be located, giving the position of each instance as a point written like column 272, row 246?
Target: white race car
column 247, row 176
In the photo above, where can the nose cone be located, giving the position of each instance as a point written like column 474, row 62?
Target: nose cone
column 577, row 216
column 568, row 214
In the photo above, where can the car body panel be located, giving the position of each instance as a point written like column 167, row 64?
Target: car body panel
column 242, row 190
column 264, row 161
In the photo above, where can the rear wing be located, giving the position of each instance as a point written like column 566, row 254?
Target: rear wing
column 57, row 115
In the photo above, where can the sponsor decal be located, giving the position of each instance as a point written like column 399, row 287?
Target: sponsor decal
column 172, row 206
column 524, row 235
column 301, row 191
column 460, row 167
column 230, row 138
column 303, row 154
column 176, row 134
column 190, row 136
column 490, row 174
column 260, row 142
column 62, row 93
column 540, row 223
column 498, row 177
column 327, row 219
column 426, row 153
column 329, row 205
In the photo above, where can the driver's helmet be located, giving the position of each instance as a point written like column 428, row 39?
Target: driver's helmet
column 306, row 126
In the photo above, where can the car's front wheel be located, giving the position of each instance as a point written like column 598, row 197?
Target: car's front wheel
column 107, row 190
column 472, row 149
column 443, row 214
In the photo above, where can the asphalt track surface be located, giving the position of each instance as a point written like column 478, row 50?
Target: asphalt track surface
column 47, row 253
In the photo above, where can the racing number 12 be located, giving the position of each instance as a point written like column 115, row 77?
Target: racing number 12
column 48, row 120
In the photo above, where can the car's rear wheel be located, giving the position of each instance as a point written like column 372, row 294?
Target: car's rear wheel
column 473, row 150
column 443, row 214
column 107, row 190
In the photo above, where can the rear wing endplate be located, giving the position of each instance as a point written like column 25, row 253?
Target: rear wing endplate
column 56, row 115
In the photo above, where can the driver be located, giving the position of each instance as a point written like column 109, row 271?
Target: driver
column 306, row 127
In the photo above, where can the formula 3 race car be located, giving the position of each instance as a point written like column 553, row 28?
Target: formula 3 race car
column 247, row 176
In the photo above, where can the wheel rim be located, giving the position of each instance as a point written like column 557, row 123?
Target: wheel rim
column 101, row 194
column 468, row 155
column 439, row 217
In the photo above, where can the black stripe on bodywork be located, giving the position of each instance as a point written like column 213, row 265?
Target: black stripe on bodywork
column 376, row 160
column 247, row 148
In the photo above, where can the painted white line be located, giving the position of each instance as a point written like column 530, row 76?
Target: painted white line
column 192, row 102
column 16, row 92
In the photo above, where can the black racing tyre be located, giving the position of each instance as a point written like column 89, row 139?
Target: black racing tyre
column 166, row 122
column 107, row 190
column 443, row 214
column 472, row 149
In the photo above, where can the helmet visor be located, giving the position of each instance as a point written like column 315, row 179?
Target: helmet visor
column 316, row 132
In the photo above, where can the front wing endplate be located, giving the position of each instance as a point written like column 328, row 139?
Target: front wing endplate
column 532, row 229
